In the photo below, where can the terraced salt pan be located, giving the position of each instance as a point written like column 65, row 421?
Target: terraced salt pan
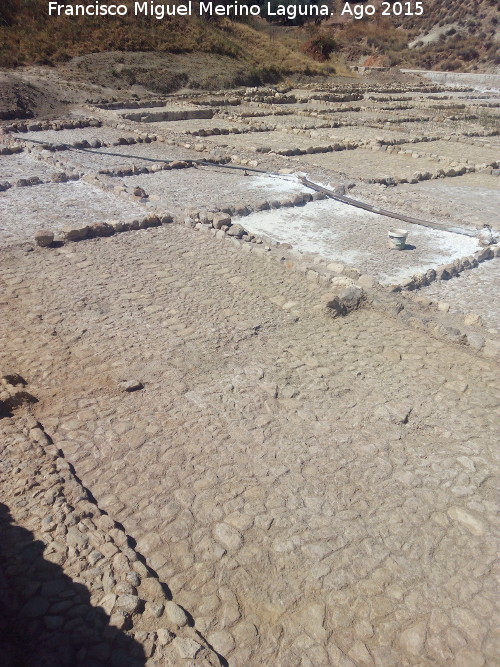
column 167, row 113
column 21, row 165
column 293, row 120
column 485, row 107
column 208, row 187
column 115, row 157
column 312, row 107
column 376, row 96
column 475, row 291
column 358, row 238
column 52, row 206
column 306, row 104
column 194, row 125
column 471, row 198
column 411, row 129
column 367, row 164
column 372, row 114
column 454, row 150
column 355, row 133
column 105, row 134
column 442, row 127
column 255, row 108
column 160, row 105
column 400, row 106
column 494, row 142
column 275, row 140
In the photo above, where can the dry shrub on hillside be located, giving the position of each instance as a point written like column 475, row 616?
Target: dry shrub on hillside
column 320, row 48
column 28, row 35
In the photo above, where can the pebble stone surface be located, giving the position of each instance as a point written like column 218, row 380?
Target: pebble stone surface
column 75, row 593
column 200, row 466
column 304, row 486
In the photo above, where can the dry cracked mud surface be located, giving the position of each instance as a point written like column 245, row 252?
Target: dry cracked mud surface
column 312, row 490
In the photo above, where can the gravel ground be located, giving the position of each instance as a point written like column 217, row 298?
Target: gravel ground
column 475, row 291
column 312, row 491
column 358, row 238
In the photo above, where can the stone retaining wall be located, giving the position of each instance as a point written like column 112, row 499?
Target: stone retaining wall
column 161, row 116
column 52, row 125
column 131, row 104
column 89, row 596
column 447, row 271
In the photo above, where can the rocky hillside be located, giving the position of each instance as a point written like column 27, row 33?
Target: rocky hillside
column 456, row 34
column 461, row 35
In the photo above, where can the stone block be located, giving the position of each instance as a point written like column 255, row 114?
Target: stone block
column 442, row 273
column 484, row 254
column 475, row 340
column 366, row 282
column 220, row 220
column 347, row 300
column 132, row 385
column 187, row 648
column 176, row 614
column 77, row 234
column 451, row 333
column 44, row 238
column 236, row 230
column 101, row 229
column 472, row 319
column 336, row 267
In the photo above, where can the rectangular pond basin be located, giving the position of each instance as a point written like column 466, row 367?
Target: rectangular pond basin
column 358, row 238
column 53, row 206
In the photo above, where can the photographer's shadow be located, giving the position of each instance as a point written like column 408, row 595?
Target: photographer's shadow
column 46, row 619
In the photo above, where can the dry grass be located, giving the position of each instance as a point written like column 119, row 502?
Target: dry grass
column 263, row 48
column 28, row 36
column 36, row 39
